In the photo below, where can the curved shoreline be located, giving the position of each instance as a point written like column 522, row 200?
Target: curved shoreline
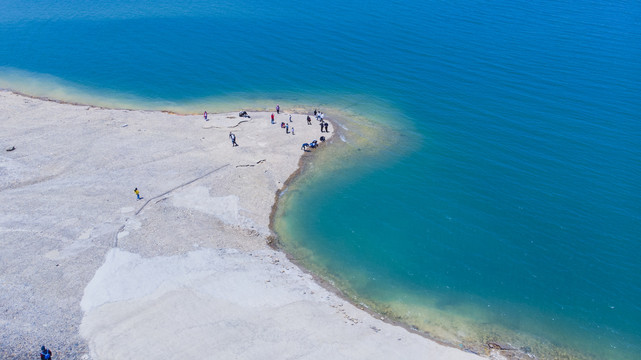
column 273, row 240
column 499, row 342
column 274, row 243
column 90, row 157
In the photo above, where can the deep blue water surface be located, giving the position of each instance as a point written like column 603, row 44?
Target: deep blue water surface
column 511, row 202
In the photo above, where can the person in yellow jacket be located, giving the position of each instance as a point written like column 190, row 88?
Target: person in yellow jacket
column 137, row 193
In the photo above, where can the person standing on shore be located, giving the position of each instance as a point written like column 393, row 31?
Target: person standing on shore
column 293, row 131
column 322, row 125
column 290, row 117
column 232, row 136
column 326, row 125
column 273, row 119
column 287, row 129
column 137, row 193
column 277, row 109
column 205, row 116
column 309, row 120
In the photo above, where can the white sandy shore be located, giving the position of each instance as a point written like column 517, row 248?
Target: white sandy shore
column 185, row 273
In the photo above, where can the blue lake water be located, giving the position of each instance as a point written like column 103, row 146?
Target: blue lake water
column 490, row 186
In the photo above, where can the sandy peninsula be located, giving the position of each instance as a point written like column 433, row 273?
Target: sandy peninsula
column 92, row 272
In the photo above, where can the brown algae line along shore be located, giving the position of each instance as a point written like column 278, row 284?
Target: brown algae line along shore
column 300, row 110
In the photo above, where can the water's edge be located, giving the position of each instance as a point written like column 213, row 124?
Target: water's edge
column 274, row 241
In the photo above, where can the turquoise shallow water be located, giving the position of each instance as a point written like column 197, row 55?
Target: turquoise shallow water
column 503, row 195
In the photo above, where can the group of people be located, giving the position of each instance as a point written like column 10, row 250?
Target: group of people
column 318, row 114
column 324, row 125
column 313, row 144
column 285, row 126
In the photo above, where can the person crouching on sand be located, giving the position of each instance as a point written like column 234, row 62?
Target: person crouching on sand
column 45, row 354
